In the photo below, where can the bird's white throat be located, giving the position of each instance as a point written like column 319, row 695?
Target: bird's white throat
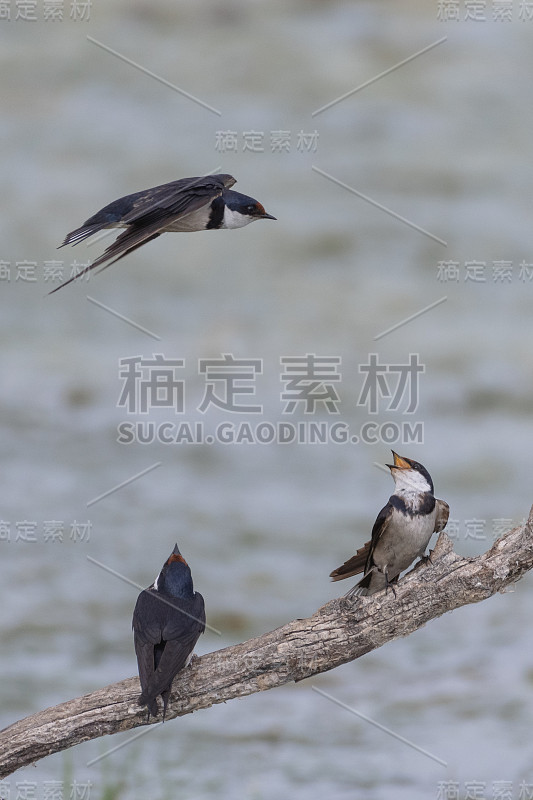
column 409, row 483
column 234, row 219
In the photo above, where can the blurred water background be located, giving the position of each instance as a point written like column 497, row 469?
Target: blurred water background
column 443, row 141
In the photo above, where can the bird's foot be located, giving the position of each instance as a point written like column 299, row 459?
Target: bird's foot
column 390, row 584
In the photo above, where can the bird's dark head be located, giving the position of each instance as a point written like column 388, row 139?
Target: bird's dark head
column 240, row 210
column 175, row 578
column 410, row 476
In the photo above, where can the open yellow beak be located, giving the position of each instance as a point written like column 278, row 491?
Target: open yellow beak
column 399, row 462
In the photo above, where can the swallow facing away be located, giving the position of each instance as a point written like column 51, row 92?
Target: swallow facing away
column 401, row 532
column 169, row 617
column 189, row 204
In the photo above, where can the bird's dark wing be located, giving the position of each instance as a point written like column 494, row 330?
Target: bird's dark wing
column 148, row 620
column 167, row 195
column 145, row 663
column 188, row 617
column 173, row 659
column 159, row 617
column 381, row 523
column 147, row 214
column 158, row 208
column 174, row 200
column 130, row 240
column 180, row 634
column 354, row 565
column 147, row 634
column 362, row 561
column 380, row 526
column 443, row 512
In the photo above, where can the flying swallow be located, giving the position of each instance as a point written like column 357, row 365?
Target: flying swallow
column 185, row 205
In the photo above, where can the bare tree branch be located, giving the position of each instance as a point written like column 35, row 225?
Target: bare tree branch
column 335, row 634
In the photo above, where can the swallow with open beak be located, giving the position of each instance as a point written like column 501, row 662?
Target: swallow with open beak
column 169, row 617
column 401, row 532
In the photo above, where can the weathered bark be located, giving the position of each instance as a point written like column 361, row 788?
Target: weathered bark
column 334, row 635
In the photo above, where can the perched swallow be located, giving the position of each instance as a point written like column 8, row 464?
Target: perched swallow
column 169, row 617
column 189, row 204
column 401, row 531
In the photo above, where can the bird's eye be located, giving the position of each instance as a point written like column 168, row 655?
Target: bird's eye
column 250, row 210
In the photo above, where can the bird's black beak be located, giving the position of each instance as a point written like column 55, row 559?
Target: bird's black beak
column 267, row 216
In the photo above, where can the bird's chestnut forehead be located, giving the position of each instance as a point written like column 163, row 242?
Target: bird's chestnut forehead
column 175, row 557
